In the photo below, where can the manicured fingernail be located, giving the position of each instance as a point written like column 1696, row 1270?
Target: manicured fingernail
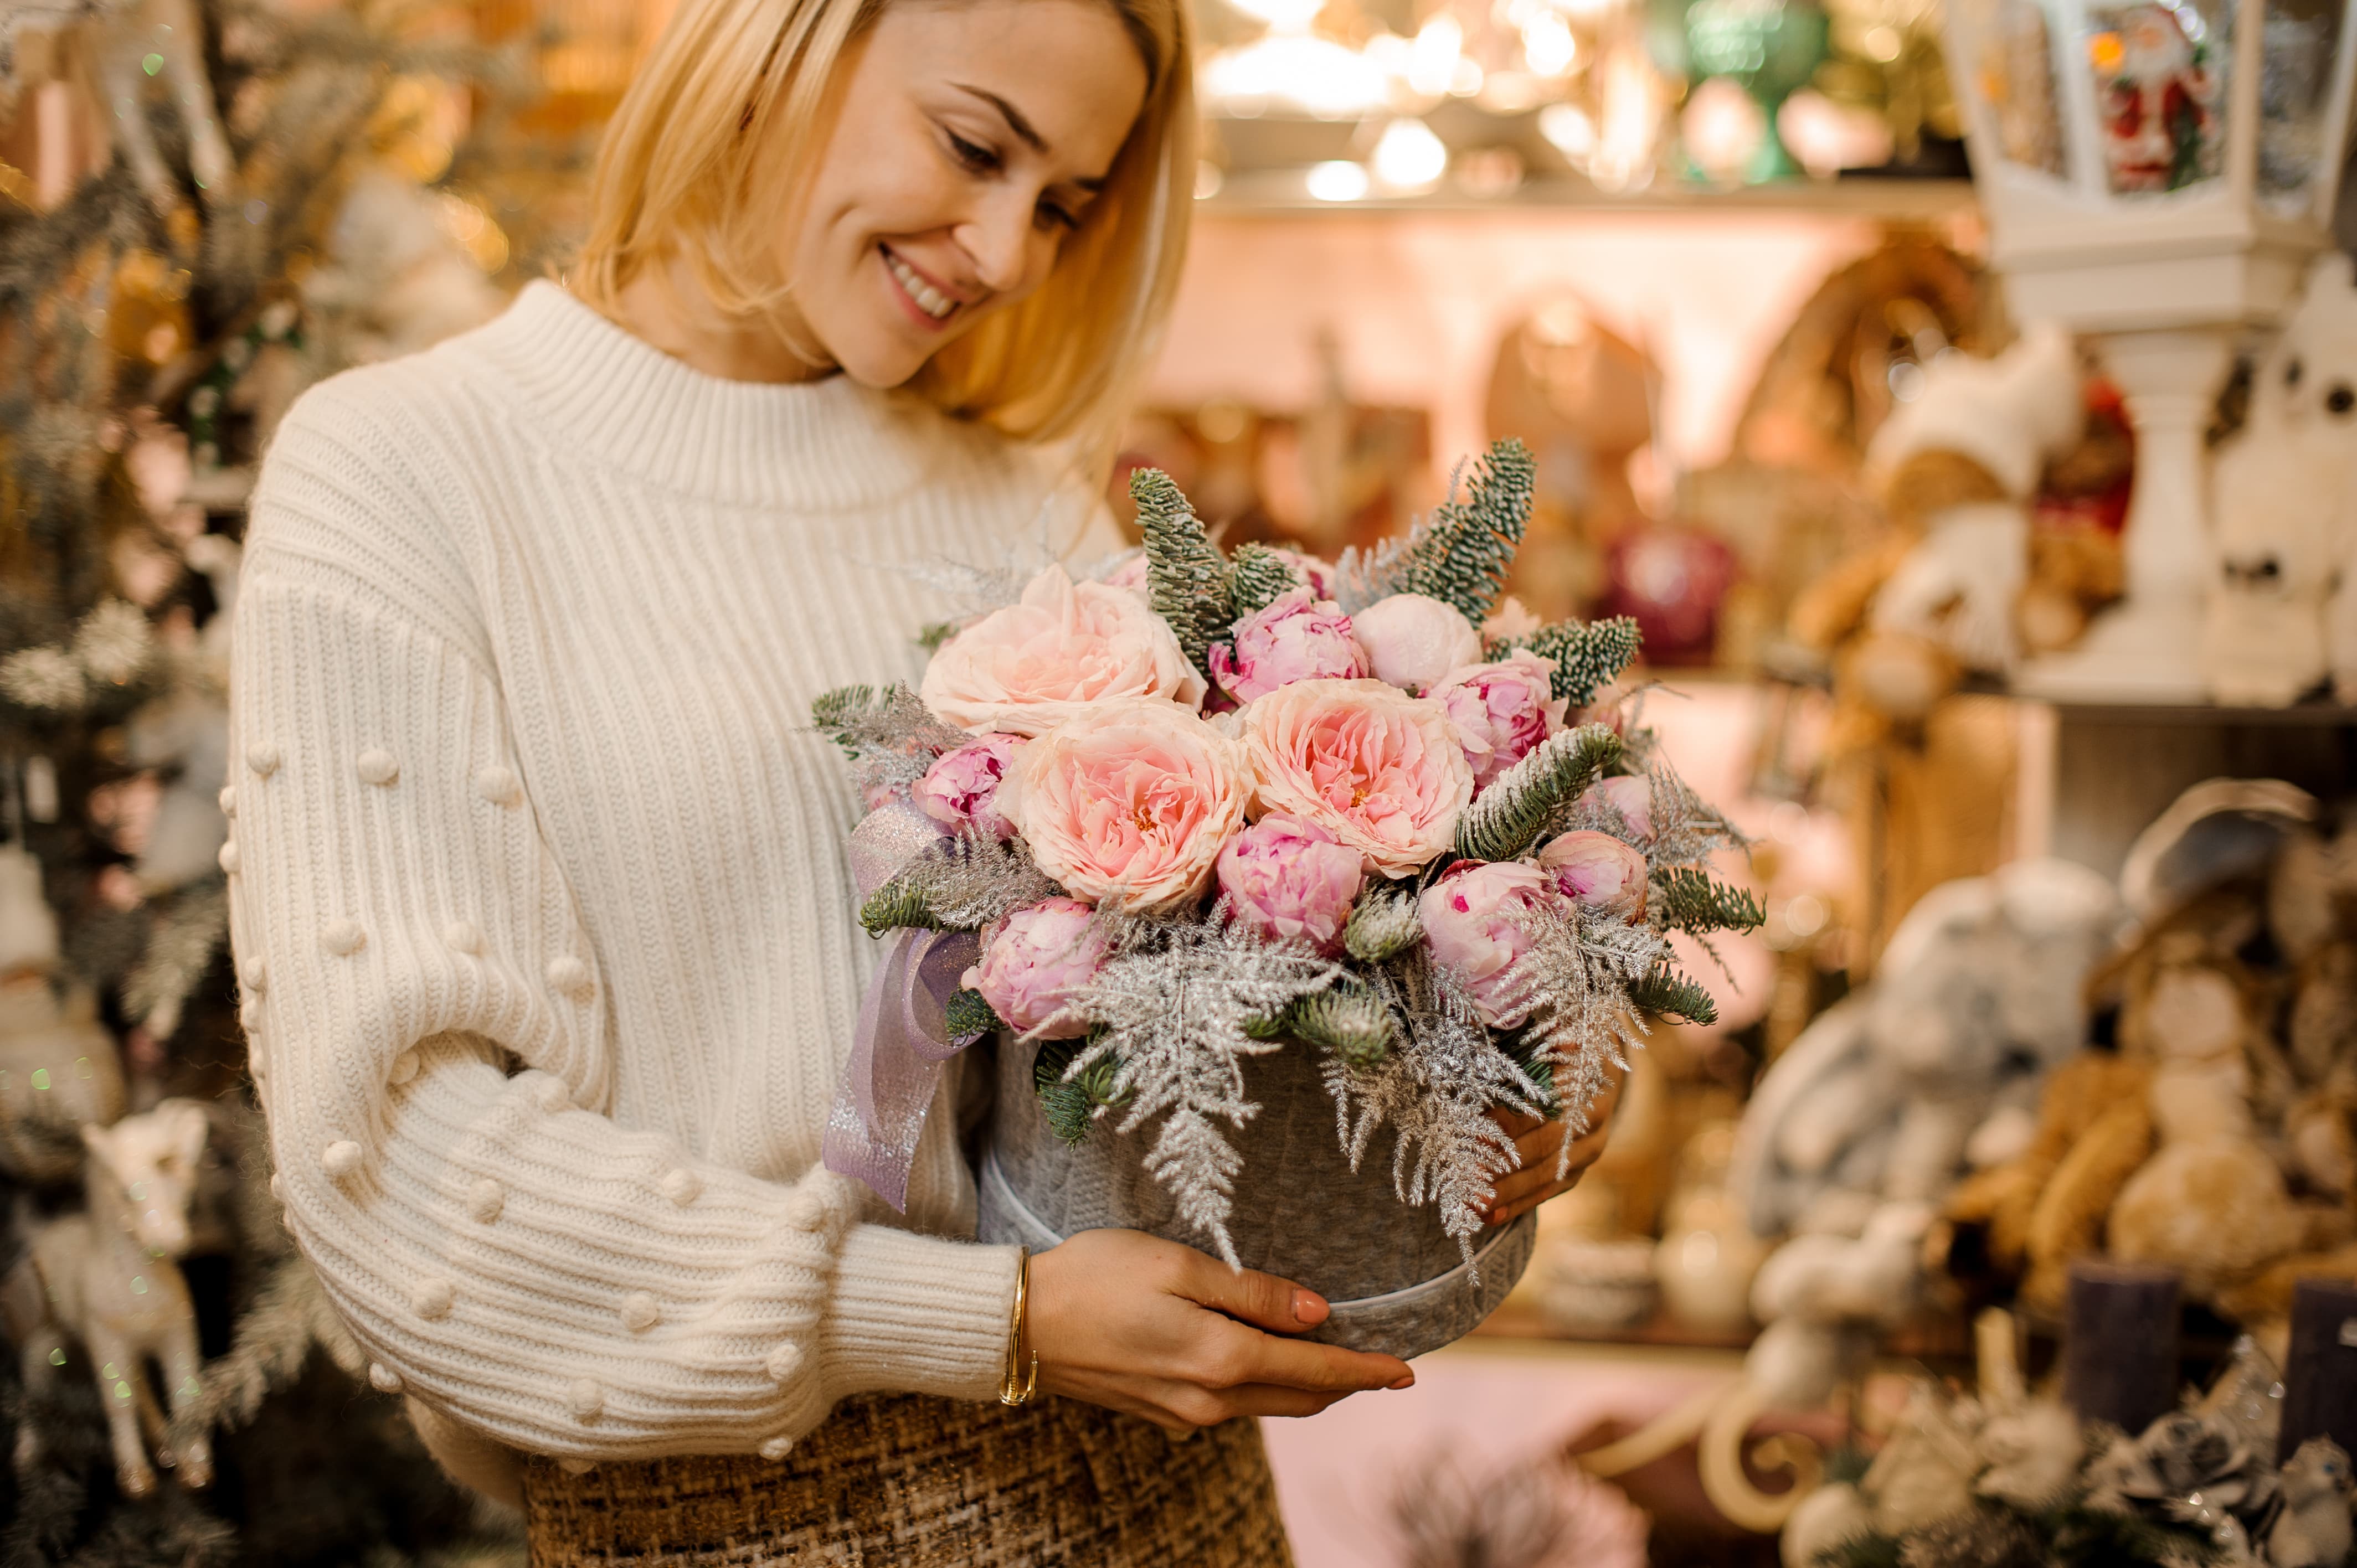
column 1406, row 1382
column 1309, row 1308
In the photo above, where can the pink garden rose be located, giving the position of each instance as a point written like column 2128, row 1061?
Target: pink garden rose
column 1033, row 959
column 1502, row 711
column 1413, row 640
column 1062, row 648
column 1630, row 796
column 1128, row 803
column 1291, row 880
column 1475, row 921
column 1377, row 769
column 961, row 788
column 1296, row 638
column 1598, row 870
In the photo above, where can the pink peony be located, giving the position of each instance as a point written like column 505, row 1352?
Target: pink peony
column 1129, row 803
column 1292, row 880
column 1598, row 870
column 1297, row 637
column 1379, row 770
column 1413, row 640
column 961, row 788
column 1032, row 962
column 1630, row 796
column 1064, row 648
column 1321, row 573
column 1502, row 711
column 1475, row 920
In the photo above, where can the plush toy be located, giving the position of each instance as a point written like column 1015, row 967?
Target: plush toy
column 1879, row 1099
column 2281, row 615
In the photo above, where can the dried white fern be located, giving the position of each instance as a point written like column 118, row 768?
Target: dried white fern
column 1174, row 1006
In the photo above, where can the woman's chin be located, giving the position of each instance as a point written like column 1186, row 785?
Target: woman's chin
column 881, row 366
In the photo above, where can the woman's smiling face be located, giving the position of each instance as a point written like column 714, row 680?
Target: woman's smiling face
column 968, row 138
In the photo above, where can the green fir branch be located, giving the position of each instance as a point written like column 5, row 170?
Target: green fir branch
column 1071, row 1104
column 1664, row 990
column 1687, row 899
column 932, row 634
column 1384, row 924
column 969, row 1014
column 1506, row 822
column 1262, row 578
column 1588, row 655
column 900, row 903
column 1189, row 582
column 1347, row 1019
column 1461, row 556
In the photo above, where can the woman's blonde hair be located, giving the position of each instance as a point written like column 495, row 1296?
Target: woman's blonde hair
column 712, row 140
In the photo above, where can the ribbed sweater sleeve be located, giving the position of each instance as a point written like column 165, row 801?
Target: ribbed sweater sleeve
column 432, row 1041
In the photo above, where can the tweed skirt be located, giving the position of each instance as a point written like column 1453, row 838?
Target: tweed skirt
column 905, row 1479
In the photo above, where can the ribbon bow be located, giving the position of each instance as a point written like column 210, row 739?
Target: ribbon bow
column 904, row 1036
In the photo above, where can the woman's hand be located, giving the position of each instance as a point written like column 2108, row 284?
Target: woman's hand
column 1154, row 1329
column 1539, row 1142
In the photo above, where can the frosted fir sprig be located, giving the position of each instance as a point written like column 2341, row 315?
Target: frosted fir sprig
column 977, row 587
column 887, row 731
column 1189, row 582
column 1178, row 1005
column 1588, row 655
column 960, row 883
column 1523, row 804
column 1574, row 978
column 1384, row 924
column 1462, row 554
column 1260, row 577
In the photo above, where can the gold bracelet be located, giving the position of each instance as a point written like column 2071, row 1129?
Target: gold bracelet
column 1021, row 1382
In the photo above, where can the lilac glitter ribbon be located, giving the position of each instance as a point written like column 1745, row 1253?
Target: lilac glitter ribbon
column 904, row 1034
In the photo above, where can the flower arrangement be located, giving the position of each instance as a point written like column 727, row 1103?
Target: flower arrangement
column 1204, row 807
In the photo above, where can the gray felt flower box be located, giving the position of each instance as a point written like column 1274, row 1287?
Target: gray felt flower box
column 1398, row 1282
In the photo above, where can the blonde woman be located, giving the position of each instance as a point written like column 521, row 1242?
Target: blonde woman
column 539, row 905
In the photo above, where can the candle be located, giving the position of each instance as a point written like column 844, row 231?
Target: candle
column 2320, row 1381
column 2119, row 1346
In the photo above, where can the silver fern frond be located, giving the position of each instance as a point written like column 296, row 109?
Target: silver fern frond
column 1177, row 1004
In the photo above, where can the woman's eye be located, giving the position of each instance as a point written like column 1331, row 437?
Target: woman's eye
column 973, row 155
column 1055, row 212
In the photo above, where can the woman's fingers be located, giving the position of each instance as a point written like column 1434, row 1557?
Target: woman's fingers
column 1296, row 1364
column 1249, row 1296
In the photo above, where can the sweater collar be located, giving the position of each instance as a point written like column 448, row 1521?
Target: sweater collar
column 829, row 445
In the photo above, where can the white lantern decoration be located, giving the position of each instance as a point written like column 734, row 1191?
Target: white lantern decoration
column 2157, row 174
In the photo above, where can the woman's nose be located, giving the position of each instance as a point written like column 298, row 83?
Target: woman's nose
column 998, row 241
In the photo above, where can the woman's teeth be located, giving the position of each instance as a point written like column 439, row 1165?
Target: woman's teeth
column 928, row 299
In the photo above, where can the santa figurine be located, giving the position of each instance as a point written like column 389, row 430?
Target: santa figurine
column 2157, row 91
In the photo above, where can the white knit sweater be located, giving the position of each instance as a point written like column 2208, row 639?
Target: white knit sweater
column 526, row 640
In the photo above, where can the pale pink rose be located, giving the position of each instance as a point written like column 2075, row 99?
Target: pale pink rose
column 1128, row 803
column 1131, row 573
column 1511, row 618
column 1296, row 638
column 1630, row 796
column 1292, row 880
column 1477, row 921
column 1502, row 711
column 1321, row 573
column 1413, row 640
column 1598, row 870
column 1033, row 959
column 961, row 788
column 1064, row 648
column 1379, row 768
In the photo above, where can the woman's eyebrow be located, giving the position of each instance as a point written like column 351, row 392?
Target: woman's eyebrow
column 1013, row 116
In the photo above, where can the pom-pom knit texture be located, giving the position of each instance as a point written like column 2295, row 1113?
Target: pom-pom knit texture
column 544, row 867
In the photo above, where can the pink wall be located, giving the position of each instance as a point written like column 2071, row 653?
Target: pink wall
column 1418, row 300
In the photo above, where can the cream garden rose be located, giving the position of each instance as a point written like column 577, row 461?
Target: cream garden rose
column 1381, row 770
column 1061, row 649
column 1128, row 803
